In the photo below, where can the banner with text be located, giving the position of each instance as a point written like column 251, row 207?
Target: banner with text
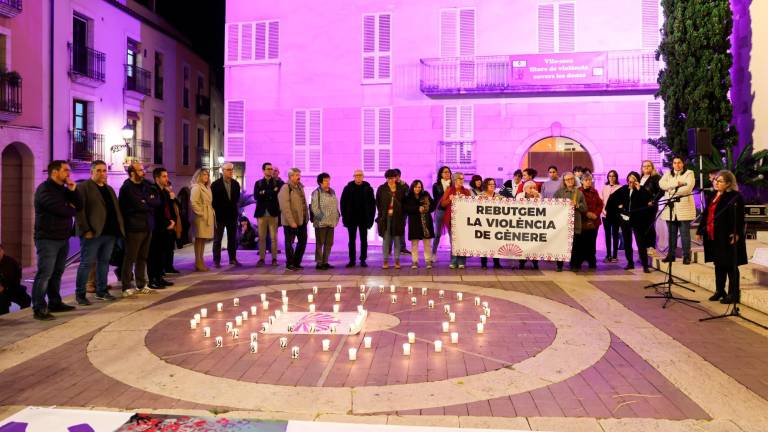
column 559, row 68
column 514, row 229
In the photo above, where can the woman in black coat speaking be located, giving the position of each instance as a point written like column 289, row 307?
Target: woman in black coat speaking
column 722, row 228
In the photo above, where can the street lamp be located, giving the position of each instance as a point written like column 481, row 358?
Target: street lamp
column 127, row 133
column 221, row 160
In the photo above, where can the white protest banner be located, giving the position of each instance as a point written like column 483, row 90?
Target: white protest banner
column 536, row 229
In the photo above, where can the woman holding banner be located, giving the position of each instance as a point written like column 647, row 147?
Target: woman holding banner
column 476, row 185
column 634, row 205
column 457, row 188
column 569, row 191
column 438, row 189
column 489, row 192
column 590, row 222
column 419, row 207
column 530, row 191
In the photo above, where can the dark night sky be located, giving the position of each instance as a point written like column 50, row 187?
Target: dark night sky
column 202, row 21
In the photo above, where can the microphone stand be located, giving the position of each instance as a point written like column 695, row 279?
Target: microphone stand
column 733, row 310
column 667, row 294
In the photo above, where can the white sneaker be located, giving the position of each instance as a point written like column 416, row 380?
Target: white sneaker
column 429, row 266
column 414, row 266
column 146, row 290
column 452, row 266
column 461, row 266
column 129, row 293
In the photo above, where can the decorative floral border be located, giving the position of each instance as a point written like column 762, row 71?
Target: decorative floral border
column 537, row 202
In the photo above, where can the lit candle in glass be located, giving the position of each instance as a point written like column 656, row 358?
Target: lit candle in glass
column 393, row 298
column 337, row 297
column 285, row 308
column 413, row 301
column 480, row 327
column 245, row 315
column 219, row 341
column 410, row 290
column 483, row 318
column 423, row 291
column 362, row 297
column 284, row 292
column 294, row 352
column 219, row 307
column 254, row 337
column 197, row 318
column 254, row 347
column 447, row 309
column 460, row 296
column 362, row 288
column 411, row 337
column 367, row 341
column 438, row 346
column 333, row 328
column 326, row 344
column 235, row 333
column 228, row 326
column 392, row 288
column 254, row 310
column 193, row 324
column 477, row 301
column 441, row 293
column 338, row 288
column 283, row 342
column 206, row 332
column 285, row 300
column 360, row 309
column 278, row 312
column 353, row 354
column 336, row 308
column 406, row 349
column 204, row 312
column 485, row 304
column 236, row 301
column 264, row 326
column 265, row 305
column 381, row 289
column 452, row 317
column 431, row 304
column 238, row 321
column 454, row 337
column 445, row 326
column 312, row 308
column 312, row 327
column 263, row 297
column 488, row 312
column 310, row 298
column 271, row 319
column 314, row 289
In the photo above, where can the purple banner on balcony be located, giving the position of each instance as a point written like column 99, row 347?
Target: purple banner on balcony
column 558, row 69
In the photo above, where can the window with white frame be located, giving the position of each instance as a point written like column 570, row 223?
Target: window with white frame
column 457, row 32
column 557, row 27
column 377, row 48
column 651, row 23
column 377, row 140
column 234, row 132
column 253, row 42
column 308, row 140
column 654, row 128
column 457, row 148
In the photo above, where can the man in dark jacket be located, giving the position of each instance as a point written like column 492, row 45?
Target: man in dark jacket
column 138, row 199
column 226, row 200
column 56, row 203
column 267, row 211
column 11, row 289
column 358, row 209
column 163, row 234
column 99, row 225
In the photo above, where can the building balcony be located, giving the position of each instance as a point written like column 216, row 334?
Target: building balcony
column 86, row 65
column 10, row 96
column 532, row 74
column 10, row 8
column 138, row 81
column 86, row 146
column 203, row 106
column 140, row 151
column 203, row 158
column 457, row 155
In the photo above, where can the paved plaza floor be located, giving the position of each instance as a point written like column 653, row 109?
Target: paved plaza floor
column 559, row 352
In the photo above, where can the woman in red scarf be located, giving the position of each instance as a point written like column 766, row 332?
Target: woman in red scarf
column 457, row 188
column 590, row 222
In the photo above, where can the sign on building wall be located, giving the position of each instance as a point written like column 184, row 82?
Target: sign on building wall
column 559, row 68
column 515, row 229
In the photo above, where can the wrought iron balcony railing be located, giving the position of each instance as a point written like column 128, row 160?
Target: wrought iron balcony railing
column 10, row 96
column 85, row 62
column 140, row 150
column 203, row 158
column 10, row 8
column 619, row 71
column 138, row 80
column 86, row 146
column 203, row 105
column 457, row 155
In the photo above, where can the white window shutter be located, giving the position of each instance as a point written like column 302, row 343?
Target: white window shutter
column 450, row 123
column 384, row 46
column 466, row 122
column 448, row 33
column 235, row 130
column 369, row 160
column 246, row 42
column 233, row 42
column 369, row 46
column 260, row 41
column 385, row 139
column 300, row 139
column 650, row 24
column 467, row 33
column 546, row 28
column 273, row 48
column 653, row 122
column 315, row 142
column 566, row 27
column 369, row 139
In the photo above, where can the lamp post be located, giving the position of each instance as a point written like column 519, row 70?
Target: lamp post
column 127, row 133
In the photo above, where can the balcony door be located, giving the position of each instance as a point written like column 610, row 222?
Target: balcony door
column 80, row 45
column 131, row 63
column 80, row 147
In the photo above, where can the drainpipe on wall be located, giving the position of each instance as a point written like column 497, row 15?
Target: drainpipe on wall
column 50, row 81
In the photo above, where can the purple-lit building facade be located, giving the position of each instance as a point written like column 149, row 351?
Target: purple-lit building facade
column 484, row 87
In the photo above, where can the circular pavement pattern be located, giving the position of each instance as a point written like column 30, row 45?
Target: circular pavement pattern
column 530, row 342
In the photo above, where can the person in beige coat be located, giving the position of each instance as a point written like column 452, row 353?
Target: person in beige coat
column 679, row 183
column 204, row 218
column 294, row 217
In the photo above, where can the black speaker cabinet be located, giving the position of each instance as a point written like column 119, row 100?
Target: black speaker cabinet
column 699, row 142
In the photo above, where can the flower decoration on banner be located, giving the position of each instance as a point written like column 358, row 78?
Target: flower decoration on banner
column 321, row 320
column 510, row 250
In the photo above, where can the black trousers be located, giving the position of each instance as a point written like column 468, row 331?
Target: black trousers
column 14, row 294
column 586, row 249
column 612, row 237
column 168, row 263
column 641, row 238
column 160, row 248
column 575, row 262
column 484, row 262
column 730, row 272
column 353, row 231
column 218, row 234
column 294, row 256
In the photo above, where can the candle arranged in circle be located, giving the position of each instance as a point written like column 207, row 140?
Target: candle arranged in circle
column 285, row 300
column 362, row 297
column 285, row 308
column 480, row 327
column 410, row 290
column 219, row 341
column 278, row 312
column 204, row 312
column 197, row 318
column 362, row 288
column 423, row 291
column 310, row 298
column 283, row 342
column 206, row 332
column 228, row 326
column 263, row 297
column 284, row 292
column 244, row 314
column 483, row 318
column 336, row 308
column 338, row 288
column 254, row 347
column 367, row 341
column 238, row 320
column 381, row 288
column 236, row 302
column 441, row 294
column 413, row 301
column 193, row 323
column 411, row 337
column 454, row 337
column 392, row 288
column 254, row 337
column 353, row 354
column 314, row 289
column 477, row 301
column 271, row 319
column 333, row 328
column 445, row 326
column 254, row 310
column 295, row 352
column 235, row 333
column 487, row 312
column 438, row 346
column 219, row 307
column 337, row 297
column 312, row 308
column 406, row 349
column 460, row 296
column 447, row 309
column 452, row 316
column 431, row 304
column 265, row 305
column 326, row 344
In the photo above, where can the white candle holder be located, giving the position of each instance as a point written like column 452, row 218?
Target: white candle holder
column 284, row 293
column 283, row 342
column 362, row 288
column 219, row 307
column 411, row 337
column 392, row 288
column 406, row 349
column 290, row 328
column 336, row 308
column 393, row 298
column 312, row 327
column 441, row 294
column 219, row 341
column 452, row 317
column 460, row 296
column 285, row 300
column 487, row 312
column 312, row 308
column 278, row 312
column 381, row 289
column 326, row 344
column 294, row 352
column 353, row 354
column 431, row 304
column 254, row 310
column 480, row 327
column 332, row 330
column 337, row 297
column 477, row 301
column 447, row 309
column 367, row 341
column 264, row 326
column 238, row 321
column 206, row 332
column 454, row 337
column 265, row 305
column 338, row 289
column 413, row 301
column 254, row 337
column 235, row 333
column 228, row 326
column 235, row 302
column 423, row 291
column 485, row 304
column 263, row 297
column 410, row 290
column 310, row 298
column 483, row 318
column 204, row 312
column 254, row 347
column 193, row 324
column 362, row 297
column 314, row 290
column 197, row 318
column 438, row 346
column 360, row 309
column 446, row 326
column 245, row 315
column 284, row 308
column 271, row 319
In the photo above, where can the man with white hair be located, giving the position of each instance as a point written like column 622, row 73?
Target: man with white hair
column 294, row 217
column 226, row 200
column 358, row 208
